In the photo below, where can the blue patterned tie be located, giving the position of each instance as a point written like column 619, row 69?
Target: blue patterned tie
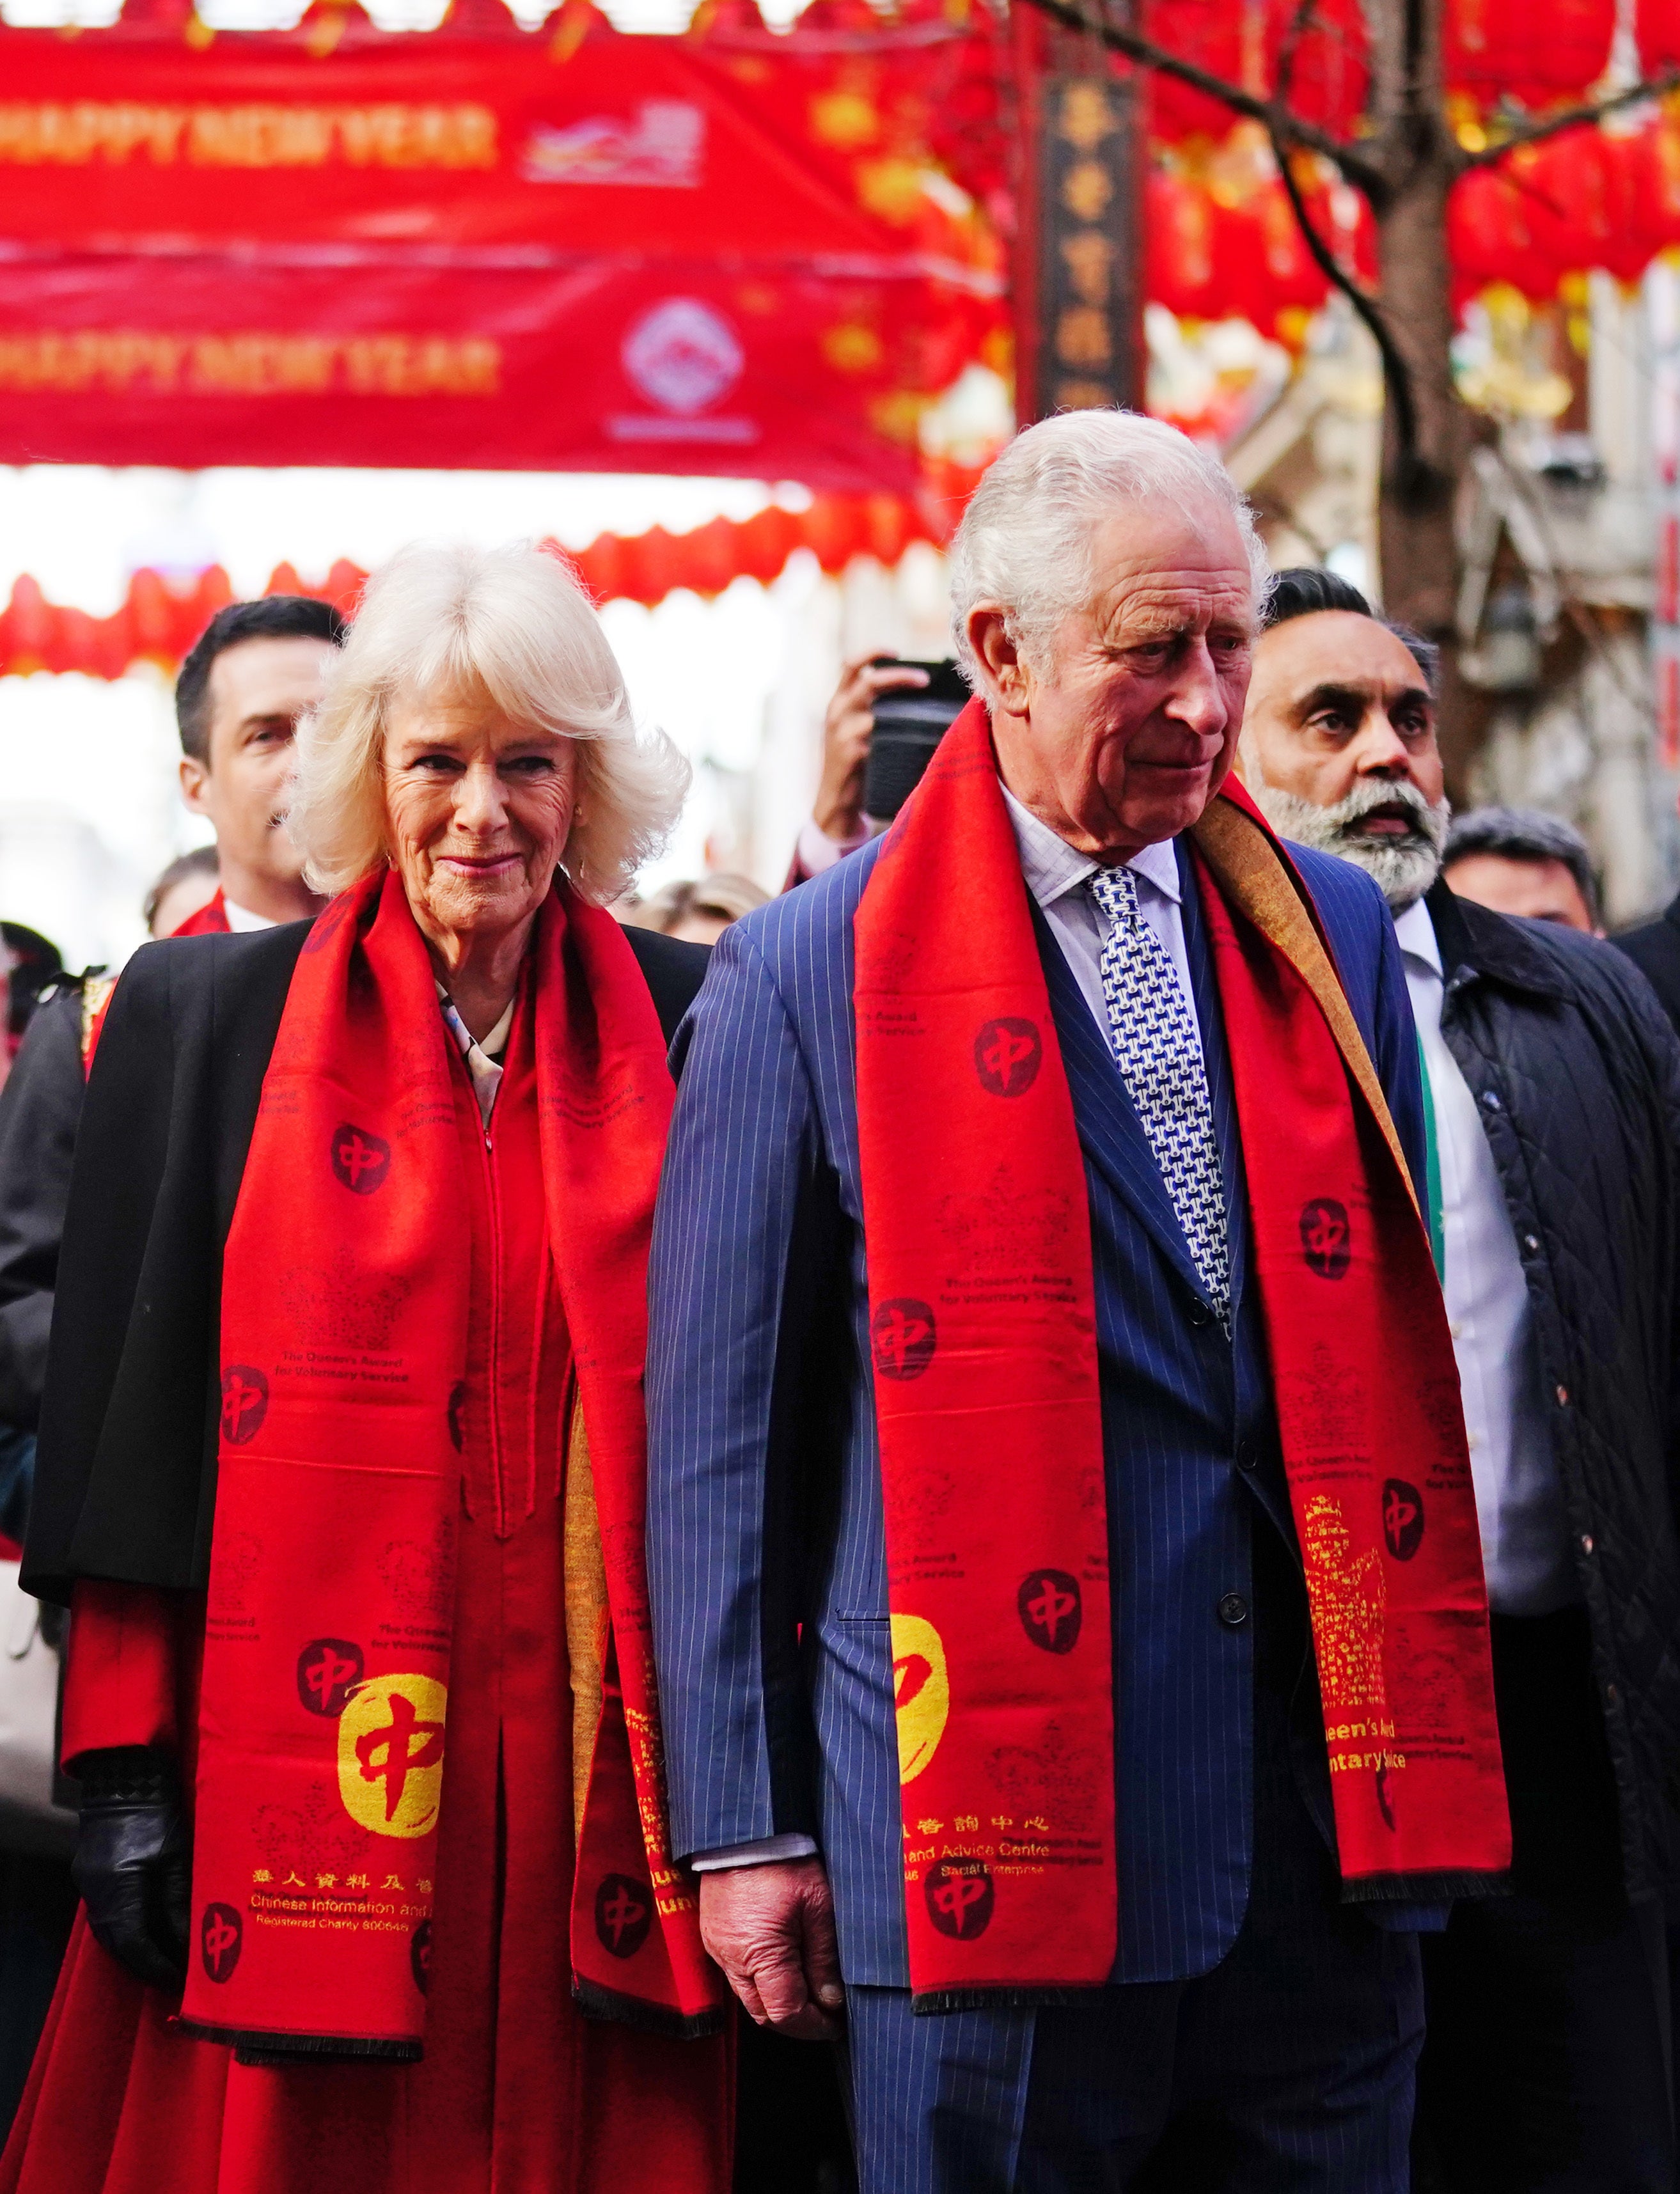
column 1160, row 1061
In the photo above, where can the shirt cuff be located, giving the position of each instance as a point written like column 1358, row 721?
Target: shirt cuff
column 759, row 1854
column 816, row 851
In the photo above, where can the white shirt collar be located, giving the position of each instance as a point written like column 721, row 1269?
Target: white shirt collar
column 1052, row 868
column 1414, row 934
column 240, row 919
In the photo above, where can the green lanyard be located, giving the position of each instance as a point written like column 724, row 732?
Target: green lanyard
column 1432, row 1170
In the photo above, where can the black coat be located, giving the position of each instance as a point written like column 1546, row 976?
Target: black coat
column 1577, row 1074
column 1655, row 950
column 125, row 1474
column 40, row 1110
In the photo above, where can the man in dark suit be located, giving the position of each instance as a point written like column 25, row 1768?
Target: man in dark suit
column 1241, row 2009
column 1553, row 1088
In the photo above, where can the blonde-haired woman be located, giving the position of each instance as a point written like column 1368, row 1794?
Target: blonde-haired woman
column 341, row 1470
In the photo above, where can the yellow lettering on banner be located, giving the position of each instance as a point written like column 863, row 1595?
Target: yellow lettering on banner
column 270, row 135
column 430, row 366
column 249, row 362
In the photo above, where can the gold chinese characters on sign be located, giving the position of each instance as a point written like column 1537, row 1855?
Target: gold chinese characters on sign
column 1087, row 282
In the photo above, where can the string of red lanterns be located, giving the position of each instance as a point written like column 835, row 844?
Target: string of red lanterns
column 159, row 618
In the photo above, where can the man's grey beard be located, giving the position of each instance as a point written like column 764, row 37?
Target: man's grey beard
column 1402, row 869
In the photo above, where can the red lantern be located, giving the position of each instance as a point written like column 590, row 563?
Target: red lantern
column 1490, row 237
column 1180, row 246
column 1497, row 49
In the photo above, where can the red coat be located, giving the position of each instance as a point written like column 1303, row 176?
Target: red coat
column 516, row 2091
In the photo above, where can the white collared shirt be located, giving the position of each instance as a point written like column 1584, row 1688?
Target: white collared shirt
column 1519, row 1498
column 240, row 919
column 1056, row 877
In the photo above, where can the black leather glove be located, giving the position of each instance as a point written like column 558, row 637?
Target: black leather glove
column 132, row 1866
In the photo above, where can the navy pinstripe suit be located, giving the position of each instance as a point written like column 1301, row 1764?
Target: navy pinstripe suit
column 765, row 1508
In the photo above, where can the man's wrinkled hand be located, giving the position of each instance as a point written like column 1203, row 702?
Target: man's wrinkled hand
column 771, row 1928
column 133, row 1867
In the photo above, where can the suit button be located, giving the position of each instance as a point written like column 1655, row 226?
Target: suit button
column 1248, row 1456
column 1234, row 1611
column 1200, row 1313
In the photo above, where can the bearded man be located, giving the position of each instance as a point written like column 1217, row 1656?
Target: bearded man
column 1040, row 1309
column 1553, row 1087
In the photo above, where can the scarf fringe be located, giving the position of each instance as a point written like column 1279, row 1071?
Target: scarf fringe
column 934, row 2003
column 610, row 2007
column 1425, row 1888
column 253, row 2046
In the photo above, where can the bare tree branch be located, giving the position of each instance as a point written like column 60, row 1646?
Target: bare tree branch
column 1396, row 371
column 1299, row 24
column 1283, row 125
column 1568, row 118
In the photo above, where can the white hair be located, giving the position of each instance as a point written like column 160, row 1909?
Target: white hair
column 515, row 626
column 1025, row 541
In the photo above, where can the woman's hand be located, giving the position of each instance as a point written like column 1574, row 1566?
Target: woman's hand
column 132, row 1867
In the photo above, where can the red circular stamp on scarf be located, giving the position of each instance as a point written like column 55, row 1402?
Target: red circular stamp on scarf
column 959, row 1896
column 221, row 1935
column 244, row 1402
column 1007, row 1053
column 328, row 1671
column 902, row 1338
column 1327, row 1237
column 1403, row 1519
column 1051, row 1609
column 360, row 1159
column 624, row 1913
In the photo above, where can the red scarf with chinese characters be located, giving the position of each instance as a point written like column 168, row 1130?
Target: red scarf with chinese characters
column 982, row 1320
column 344, row 1309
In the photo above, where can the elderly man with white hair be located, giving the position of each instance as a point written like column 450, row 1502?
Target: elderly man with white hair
column 1064, row 1574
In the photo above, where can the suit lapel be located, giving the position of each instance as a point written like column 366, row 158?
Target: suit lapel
column 1111, row 1134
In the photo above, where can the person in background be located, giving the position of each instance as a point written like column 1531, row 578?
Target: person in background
column 1522, row 861
column 1553, row 1090
column 256, row 669
column 836, row 825
column 997, row 1251
column 1654, row 948
column 32, row 964
column 699, row 913
column 190, row 881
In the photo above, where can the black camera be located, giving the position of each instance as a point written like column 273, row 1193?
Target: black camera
column 908, row 726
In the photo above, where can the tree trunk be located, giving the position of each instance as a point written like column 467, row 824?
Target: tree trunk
column 1417, row 544
column 1416, row 547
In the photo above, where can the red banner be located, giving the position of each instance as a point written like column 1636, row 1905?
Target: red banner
column 584, row 252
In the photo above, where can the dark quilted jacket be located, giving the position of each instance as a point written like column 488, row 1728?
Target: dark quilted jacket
column 1577, row 1072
